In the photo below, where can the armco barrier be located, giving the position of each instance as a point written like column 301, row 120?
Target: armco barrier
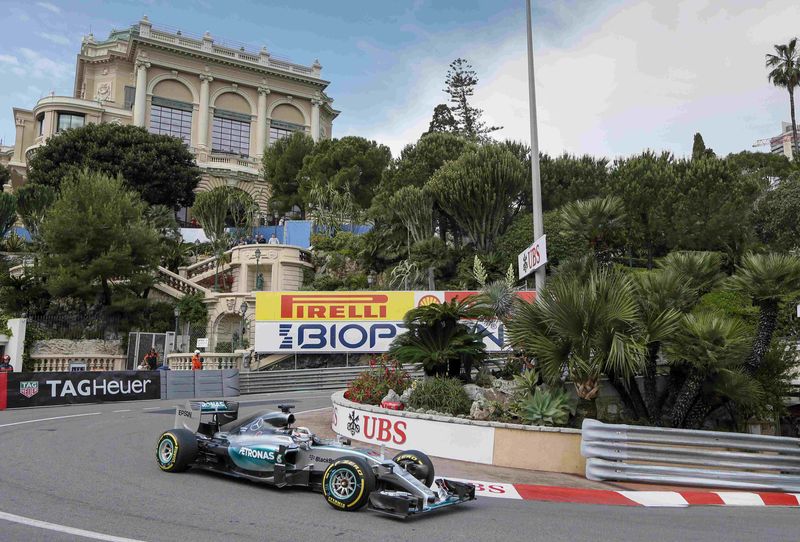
column 303, row 379
column 687, row 457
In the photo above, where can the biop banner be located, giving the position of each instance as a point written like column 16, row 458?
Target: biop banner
column 348, row 322
column 38, row 389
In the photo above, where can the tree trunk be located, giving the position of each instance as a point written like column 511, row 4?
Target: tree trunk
column 622, row 391
column 106, row 296
column 638, row 400
column 587, row 408
column 698, row 414
column 767, row 320
column 685, row 399
column 795, row 154
column 650, row 387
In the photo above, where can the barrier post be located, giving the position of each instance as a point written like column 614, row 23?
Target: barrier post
column 3, row 390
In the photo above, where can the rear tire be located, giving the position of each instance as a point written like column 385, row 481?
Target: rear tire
column 347, row 483
column 418, row 465
column 176, row 450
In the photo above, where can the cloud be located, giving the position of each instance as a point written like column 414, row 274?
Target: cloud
column 49, row 7
column 644, row 74
column 55, row 38
column 9, row 59
column 36, row 65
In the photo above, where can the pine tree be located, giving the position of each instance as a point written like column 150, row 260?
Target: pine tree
column 443, row 120
column 460, row 85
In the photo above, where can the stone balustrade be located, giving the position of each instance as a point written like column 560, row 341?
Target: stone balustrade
column 176, row 282
column 94, row 362
column 211, row 360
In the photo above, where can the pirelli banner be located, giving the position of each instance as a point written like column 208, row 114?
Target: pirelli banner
column 38, row 389
column 342, row 322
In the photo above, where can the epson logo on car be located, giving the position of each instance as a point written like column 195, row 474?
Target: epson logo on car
column 87, row 388
column 267, row 455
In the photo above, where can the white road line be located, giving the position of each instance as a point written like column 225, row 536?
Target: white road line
column 123, row 410
column 64, row 529
column 155, row 408
column 53, row 418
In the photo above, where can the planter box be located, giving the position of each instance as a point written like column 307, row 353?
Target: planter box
column 549, row 449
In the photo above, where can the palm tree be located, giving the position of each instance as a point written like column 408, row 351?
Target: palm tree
column 785, row 73
column 662, row 295
column 700, row 270
column 766, row 279
column 599, row 221
column 711, row 347
column 581, row 329
column 436, row 339
column 211, row 209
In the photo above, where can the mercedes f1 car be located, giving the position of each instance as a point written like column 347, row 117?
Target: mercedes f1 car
column 266, row 447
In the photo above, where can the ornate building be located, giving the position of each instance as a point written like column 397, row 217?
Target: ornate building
column 226, row 103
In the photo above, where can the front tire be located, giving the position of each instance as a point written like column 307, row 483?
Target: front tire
column 418, row 465
column 175, row 450
column 347, row 483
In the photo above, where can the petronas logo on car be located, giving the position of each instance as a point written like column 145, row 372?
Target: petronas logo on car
column 268, row 455
column 29, row 388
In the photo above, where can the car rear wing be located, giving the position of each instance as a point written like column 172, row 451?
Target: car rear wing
column 216, row 413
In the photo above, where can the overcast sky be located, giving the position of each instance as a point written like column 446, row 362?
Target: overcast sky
column 613, row 78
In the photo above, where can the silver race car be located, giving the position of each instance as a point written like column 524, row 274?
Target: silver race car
column 266, row 447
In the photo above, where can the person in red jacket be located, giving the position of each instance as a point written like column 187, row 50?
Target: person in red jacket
column 197, row 361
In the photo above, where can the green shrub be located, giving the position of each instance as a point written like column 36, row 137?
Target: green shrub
column 526, row 381
column 371, row 386
column 545, row 407
column 442, row 395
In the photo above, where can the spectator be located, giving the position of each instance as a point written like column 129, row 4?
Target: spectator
column 197, row 361
column 5, row 364
column 273, row 240
column 143, row 366
column 162, row 367
column 260, row 239
column 151, row 359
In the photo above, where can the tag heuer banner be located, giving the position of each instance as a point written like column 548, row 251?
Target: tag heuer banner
column 35, row 389
column 354, row 322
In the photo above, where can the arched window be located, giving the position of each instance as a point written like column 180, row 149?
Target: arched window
column 171, row 117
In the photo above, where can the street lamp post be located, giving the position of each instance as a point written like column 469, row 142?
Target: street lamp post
column 259, row 279
column 536, row 186
column 243, row 312
column 177, row 313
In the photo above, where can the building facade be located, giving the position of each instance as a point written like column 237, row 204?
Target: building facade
column 783, row 144
column 226, row 103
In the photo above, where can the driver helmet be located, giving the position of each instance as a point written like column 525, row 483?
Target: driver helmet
column 6, row 357
column 197, row 351
column 301, row 433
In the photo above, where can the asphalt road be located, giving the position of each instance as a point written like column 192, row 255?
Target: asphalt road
column 96, row 471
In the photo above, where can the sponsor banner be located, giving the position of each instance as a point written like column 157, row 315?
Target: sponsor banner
column 348, row 322
column 497, row 490
column 456, row 441
column 37, row 389
column 533, row 257
column 349, row 337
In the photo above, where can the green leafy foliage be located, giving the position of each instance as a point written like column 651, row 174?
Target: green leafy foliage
column 8, row 213
column 159, row 167
column 445, row 395
column 96, row 234
column 599, row 222
column 193, row 310
column 567, row 178
column 478, row 190
column 460, row 85
column 526, row 382
column 776, row 222
column 372, row 385
column 549, row 407
column 283, row 161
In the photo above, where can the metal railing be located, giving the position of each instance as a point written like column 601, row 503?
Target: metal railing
column 631, row 453
column 303, row 379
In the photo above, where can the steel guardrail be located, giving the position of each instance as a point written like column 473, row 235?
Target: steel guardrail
column 631, row 453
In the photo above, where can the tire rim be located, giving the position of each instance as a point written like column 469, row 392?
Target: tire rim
column 343, row 484
column 165, row 451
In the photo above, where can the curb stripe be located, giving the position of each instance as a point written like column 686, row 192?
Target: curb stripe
column 779, row 499
column 573, row 495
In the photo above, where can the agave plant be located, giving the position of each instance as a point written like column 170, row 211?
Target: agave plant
column 545, row 407
column 766, row 278
column 526, row 382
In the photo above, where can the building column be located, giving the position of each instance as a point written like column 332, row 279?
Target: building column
column 243, row 272
column 261, row 121
column 315, row 103
column 202, row 134
column 18, row 150
column 140, row 99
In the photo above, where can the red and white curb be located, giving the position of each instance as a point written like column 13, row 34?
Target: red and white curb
column 673, row 499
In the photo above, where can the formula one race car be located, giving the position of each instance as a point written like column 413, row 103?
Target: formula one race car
column 265, row 447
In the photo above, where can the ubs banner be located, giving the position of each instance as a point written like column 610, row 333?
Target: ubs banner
column 355, row 322
column 36, row 389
